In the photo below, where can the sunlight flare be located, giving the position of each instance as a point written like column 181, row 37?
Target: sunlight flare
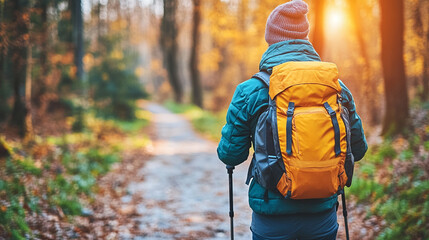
column 336, row 19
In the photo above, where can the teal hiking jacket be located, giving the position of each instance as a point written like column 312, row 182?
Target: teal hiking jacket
column 249, row 100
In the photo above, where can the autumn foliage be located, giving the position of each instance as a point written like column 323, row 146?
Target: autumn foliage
column 73, row 73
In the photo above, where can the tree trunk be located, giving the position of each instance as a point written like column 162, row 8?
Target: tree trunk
column 77, row 20
column 28, row 115
column 223, row 82
column 197, row 92
column 319, row 26
column 41, row 87
column 18, row 51
column 98, row 23
column 419, row 31
column 425, row 92
column 370, row 84
column 3, row 98
column 423, row 48
column 395, row 87
column 3, row 102
column 169, row 47
column 243, row 13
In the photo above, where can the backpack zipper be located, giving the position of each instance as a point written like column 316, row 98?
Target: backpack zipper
column 310, row 111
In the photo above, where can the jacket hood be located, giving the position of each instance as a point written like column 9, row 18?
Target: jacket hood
column 287, row 51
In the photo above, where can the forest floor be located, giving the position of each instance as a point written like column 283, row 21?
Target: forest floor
column 181, row 192
column 175, row 187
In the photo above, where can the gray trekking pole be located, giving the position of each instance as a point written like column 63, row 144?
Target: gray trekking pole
column 231, row 206
column 343, row 198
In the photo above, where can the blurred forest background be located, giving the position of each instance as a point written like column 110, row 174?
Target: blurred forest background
column 73, row 75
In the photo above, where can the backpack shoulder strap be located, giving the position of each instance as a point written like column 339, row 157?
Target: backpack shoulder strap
column 264, row 77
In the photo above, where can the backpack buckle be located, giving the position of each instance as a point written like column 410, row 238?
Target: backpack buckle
column 328, row 108
column 290, row 109
column 340, row 98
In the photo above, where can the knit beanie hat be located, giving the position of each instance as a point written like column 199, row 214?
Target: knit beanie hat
column 287, row 21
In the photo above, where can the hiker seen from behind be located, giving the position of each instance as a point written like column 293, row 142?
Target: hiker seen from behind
column 305, row 131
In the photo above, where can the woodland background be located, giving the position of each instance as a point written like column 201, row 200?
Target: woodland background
column 73, row 73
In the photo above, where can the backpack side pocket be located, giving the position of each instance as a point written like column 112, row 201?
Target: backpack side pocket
column 267, row 164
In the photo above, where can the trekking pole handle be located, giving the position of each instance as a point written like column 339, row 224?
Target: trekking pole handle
column 230, row 169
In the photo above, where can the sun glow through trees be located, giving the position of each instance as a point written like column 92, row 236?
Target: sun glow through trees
column 335, row 19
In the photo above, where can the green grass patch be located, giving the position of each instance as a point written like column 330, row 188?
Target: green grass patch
column 66, row 174
column 63, row 192
column 406, row 155
column 379, row 153
column 64, row 186
column 21, row 167
column 402, row 199
column 80, row 177
column 407, row 213
column 208, row 123
column 70, row 138
column 14, row 196
column 426, row 145
column 83, row 168
column 366, row 190
column 386, row 150
column 181, row 108
column 131, row 126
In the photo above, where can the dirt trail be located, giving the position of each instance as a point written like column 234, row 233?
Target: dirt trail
column 185, row 187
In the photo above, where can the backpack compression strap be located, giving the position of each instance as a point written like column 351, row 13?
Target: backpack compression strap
column 290, row 110
column 264, row 77
column 332, row 113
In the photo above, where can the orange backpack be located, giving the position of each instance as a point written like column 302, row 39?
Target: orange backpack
column 302, row 139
